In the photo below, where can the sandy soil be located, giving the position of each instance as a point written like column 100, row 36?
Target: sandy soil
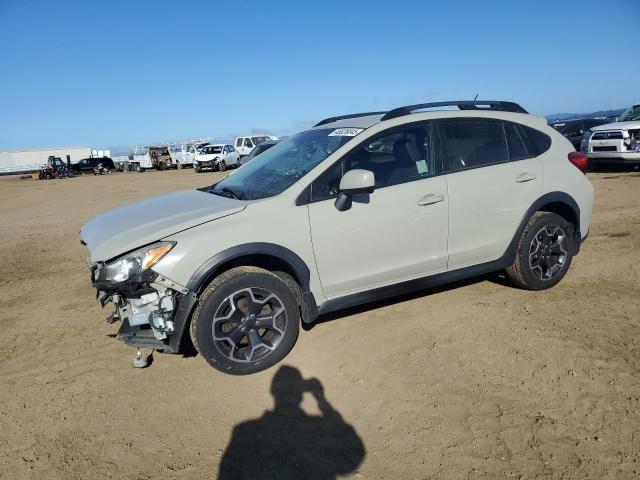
column 471, row 381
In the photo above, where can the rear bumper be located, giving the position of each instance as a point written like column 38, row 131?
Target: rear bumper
column 617, row 157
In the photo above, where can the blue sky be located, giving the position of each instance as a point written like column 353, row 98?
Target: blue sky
column 105, row 73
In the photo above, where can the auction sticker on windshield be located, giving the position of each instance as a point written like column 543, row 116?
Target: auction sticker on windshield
column 346, row 132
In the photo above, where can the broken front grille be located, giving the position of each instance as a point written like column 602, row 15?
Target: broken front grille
column 607, row 136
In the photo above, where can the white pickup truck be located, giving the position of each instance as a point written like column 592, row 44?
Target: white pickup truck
column 617, row 142
column 185, row 153
column 244, row 145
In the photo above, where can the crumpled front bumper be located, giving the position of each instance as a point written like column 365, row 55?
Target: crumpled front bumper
column 207, row 165
column 152, row 309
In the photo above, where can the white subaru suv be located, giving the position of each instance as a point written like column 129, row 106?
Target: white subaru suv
column 358, row 208
column 216, row 157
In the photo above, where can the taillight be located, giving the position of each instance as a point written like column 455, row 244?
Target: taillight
column 579, row 160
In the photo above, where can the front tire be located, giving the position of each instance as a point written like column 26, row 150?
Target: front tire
column 246, row 320
column 222, row 166
column 544, row 252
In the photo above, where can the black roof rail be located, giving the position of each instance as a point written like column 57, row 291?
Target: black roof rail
column 344, row 117
column 496, row 105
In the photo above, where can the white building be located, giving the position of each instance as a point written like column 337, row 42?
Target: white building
column 30, row 160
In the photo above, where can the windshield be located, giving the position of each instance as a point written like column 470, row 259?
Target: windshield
column 632, row 113
column 257, row 140
column 281, row 166
column 211, row 150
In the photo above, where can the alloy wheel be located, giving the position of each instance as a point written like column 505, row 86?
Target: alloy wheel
column 548, row 252
column 249, row 324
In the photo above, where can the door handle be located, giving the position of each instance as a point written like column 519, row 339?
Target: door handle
column 430, row 199
column 525, row 177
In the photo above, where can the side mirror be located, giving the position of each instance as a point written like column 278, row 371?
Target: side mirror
column 354, row 182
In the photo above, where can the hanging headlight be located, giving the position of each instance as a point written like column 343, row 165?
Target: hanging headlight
column 133, row 263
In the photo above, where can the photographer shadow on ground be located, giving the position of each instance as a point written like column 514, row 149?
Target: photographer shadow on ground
column 287, row 443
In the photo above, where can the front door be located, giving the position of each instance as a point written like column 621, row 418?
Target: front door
column 190, row 154
column 397, row 233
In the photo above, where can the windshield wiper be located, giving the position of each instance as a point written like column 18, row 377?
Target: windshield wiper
column 230, row 192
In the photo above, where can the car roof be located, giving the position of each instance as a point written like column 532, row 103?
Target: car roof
column 368, row 119
column 357, row 122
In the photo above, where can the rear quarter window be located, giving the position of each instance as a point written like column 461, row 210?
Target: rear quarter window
column 540, row 142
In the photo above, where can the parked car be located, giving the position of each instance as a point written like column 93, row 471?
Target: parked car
column 617, row 142
column 185, row 153
column 244, row 145
column 257, row 150
column 86, row 165
column 358, row 208
column 216, row 157
column 574, row 129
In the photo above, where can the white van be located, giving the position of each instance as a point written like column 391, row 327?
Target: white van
column 244, row 145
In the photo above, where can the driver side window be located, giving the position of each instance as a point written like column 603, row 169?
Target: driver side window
column 399, row 157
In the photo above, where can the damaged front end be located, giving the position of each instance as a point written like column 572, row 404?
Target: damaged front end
column 153, row 309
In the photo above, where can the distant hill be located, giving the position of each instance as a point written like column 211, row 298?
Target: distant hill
column 559, row 117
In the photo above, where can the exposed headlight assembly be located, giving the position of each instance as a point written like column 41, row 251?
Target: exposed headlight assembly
column 133, row 263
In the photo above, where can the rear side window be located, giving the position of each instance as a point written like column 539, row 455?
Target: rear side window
column 540, row 142
column 472, row 143
column 239, row 142
column 517, row 146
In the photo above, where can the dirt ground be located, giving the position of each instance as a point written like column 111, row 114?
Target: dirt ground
column 474, row 380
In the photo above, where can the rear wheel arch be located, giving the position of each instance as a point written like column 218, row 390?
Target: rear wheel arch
column 559, row 203
column 565, row 210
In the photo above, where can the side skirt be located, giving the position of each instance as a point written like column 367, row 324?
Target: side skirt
column 418, row 284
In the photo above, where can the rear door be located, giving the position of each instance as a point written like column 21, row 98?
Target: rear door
column 492, row 178
column 233, row 155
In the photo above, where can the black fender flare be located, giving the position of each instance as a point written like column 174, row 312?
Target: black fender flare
column 209, row 268
column 539, row 204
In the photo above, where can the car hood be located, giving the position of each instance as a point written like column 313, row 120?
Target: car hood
column 132, row 226
column 617, row 126
column 206, row 158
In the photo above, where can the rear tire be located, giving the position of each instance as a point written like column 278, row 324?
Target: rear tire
column 544, row 252
column 246, row 320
